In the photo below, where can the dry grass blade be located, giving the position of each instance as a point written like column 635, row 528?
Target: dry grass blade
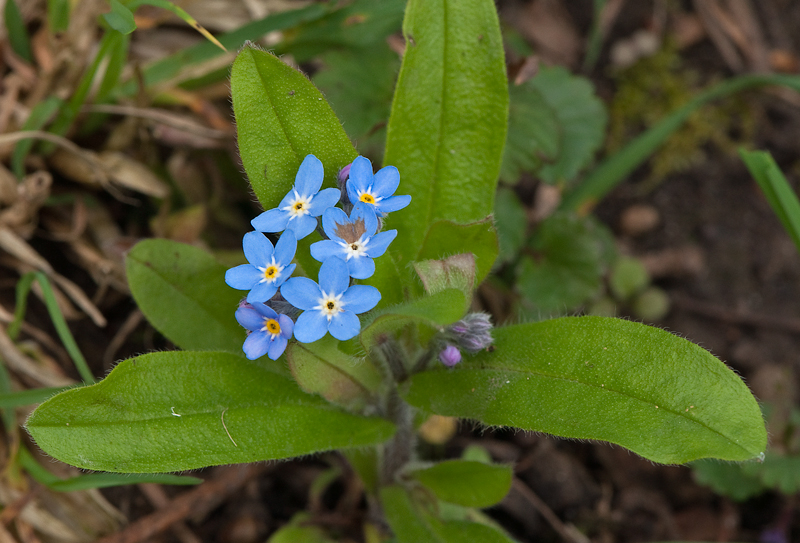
column 24, row 365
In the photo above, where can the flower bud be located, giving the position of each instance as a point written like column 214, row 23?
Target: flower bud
column 450, row 356
column 473, row 333
column 344, row 174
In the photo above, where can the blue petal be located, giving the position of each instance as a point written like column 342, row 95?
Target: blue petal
column 325, row 199
column 361, row 298
column 277, row 347
column 310, row 326
column 334, row 278
column 301, row 292
column 302, row 226
column 257, row 249
column 386, row 181
column 332, row 217
column 325, row 249
column 361, row 267
column 285, row 248
column 262, row 292
column 379, row 243
column 345, row 325
column 286, row 326
column 265, row 310
column 272, row 220
column 249, row 318
column 243, row 277
column 285, row 274
column 365, row 211
column 394, row 203
column 360, row 177
column 309, row 176
column 256, row 345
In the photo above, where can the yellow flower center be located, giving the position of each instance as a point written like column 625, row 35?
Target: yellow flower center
column 298, row 206
column 272, row 326
column 368, row 198
column 271, row 273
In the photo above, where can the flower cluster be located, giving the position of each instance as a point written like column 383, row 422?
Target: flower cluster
column 352, row 240
column 473, row 333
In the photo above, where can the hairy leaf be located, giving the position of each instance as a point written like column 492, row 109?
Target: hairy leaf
column 179, row 410
column 643, row 388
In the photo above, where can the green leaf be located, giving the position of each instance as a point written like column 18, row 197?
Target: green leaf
column 445, row 238
column 321, row 368
column 359, row 85
column 628, row 277
column 572, row 256
column 181, row 290
column 120, row 18
column 779, row 193
column 468, row 483
column 777, row 471
column 511, row 221
column 17, row 32
column 727, row 479
column 582, row 118
column 434, row 312
column 358, row 25
column 659, row 395
column 178, row 410
column 280, row 118
column 534, row 133
column 411, row 524
column 448, row 122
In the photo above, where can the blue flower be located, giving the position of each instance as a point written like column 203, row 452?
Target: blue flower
column 269, row 332
column 269, row 266
column 377, row 189
column 329, row 306
column 353, row 239
column 300, row 207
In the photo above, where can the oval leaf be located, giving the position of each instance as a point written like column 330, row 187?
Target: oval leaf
column 280, row 118
column 448, row 122
column 176, row 410
column 468, row 483
column 643, row 388
column 181, row 290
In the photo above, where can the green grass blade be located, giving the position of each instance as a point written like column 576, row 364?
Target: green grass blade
column 40, row 115
column 171, row 66
column 58, row 12
column 71, row 109
column 779, row 194
column 120, row 18
column 188, row 19
column 17, row 33
column 23, row 288
column 617, row 167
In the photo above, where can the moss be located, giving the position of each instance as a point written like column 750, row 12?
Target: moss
column 658, row 85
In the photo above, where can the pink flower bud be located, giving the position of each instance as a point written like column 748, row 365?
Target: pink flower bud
column 450, row 356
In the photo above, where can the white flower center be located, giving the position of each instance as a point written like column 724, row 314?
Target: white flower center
column 271, row 272
column 330, row 305
column 272, row 327
column 356, row 249
column 298, row 206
